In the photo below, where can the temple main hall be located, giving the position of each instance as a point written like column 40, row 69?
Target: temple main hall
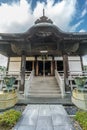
column 46, row 50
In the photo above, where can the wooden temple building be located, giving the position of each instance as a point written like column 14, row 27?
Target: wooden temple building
column 44, row 48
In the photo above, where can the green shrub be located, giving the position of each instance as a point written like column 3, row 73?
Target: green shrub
column 81, row 117
column 9, row 118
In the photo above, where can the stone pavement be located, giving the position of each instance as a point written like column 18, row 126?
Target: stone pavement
column 44, row 117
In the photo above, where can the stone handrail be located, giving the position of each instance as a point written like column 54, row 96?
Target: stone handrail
column 60, row 82
column 28, row 83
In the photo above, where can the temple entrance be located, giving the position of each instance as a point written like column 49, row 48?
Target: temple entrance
column 28, row 65
column 48, row 68
column 44, row 68
column 40, row 67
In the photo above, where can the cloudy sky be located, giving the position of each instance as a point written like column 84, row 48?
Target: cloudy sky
column 19, row 15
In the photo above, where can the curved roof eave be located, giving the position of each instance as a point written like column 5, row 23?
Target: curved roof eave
column 48, row 25
column 57, row 30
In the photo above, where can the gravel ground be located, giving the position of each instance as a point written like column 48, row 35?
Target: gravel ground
column 19, row 107
column 71, row 110
column 76, row 124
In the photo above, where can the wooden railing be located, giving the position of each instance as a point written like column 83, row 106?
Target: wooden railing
column 16, row 74
column 72, row 75
column 60, row 82
column 11, row 74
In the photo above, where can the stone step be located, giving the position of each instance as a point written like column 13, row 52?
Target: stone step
column 47, row 85
column 43, row 95
column 44, row 84
column 44, row 88
column 40, row 91
column 43, row 81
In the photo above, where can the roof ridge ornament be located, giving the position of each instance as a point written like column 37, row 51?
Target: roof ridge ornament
column 43, row 19
column 43, row 12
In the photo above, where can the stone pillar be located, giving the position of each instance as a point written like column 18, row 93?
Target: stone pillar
column 66, row 68
column 81, row 63
column 23, row 65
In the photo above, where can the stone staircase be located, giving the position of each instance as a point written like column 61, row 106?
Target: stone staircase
column 46, row 87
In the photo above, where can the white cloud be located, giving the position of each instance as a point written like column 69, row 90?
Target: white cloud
column 84, row 12
column 86, row 2
column 61, row 13
column 82, row 30
column 73, row 28
column 18, row 17
column 15, row 17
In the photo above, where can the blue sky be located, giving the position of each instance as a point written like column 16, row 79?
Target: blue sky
column 19, row 15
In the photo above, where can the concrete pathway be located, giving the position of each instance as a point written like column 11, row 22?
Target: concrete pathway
column 44, row 117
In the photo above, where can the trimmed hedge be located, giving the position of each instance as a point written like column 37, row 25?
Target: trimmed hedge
column 8, row 119
column 81, row 117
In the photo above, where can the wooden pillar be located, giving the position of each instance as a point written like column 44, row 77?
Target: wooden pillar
column 55, row 65
column 66, row 68
column 8, row 63
column 23, row 65
column 52, row 66
column 81, row 63
column 32, row 65
column 36, row 66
